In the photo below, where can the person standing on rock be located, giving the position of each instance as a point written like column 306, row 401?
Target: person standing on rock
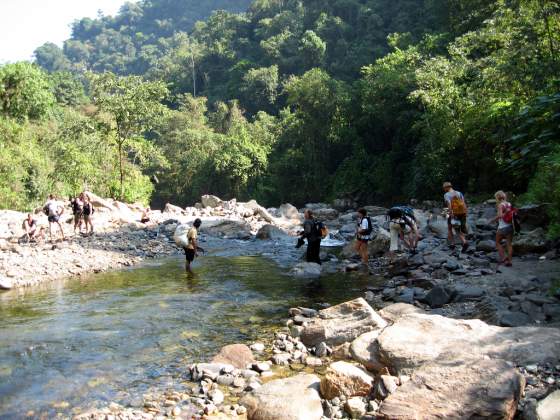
column 54, row 209
column 457, row 217
column 191, row 250
column 363, row 235
column 77, row 204
column 88, row 212
column 505, row 228
column 312, row 232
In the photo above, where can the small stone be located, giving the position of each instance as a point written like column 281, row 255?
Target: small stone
column 176, row 411
column 216, row 396
column 239, row 382
column 532, row 368
column 261, row 366
column 313, row 361
column 322, row 350
column 355, row 407
column 240, row 410
column 257, row 347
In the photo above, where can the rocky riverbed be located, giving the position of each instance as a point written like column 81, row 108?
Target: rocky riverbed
column 350, row 361
column 417, row 357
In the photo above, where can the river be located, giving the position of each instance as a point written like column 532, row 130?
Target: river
column 114, row 336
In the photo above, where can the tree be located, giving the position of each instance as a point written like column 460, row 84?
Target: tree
column 50, row 57
column 25, row 91
column 133, row 106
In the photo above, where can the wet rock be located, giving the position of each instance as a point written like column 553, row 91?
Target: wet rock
column 295, row 398
column 549, row 408
column 306, row 270
column 237, row 355
column 437, row 297
column 344, row 204
column 345, row 379
column 226, row 228
column 326, row 214
column 341, row 323
column 210, row 370
column 416, row 339
column 470, row 389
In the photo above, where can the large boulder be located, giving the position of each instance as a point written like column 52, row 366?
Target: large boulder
column 534, row 215
column 344, row 204
column 342, row 323
column 227, row 228
column 326, row 214
column 416, row 339
column 549, row 408
column 345, row 379
column 211, row 201
column 288, row 211
column 465, row 389
column 306, row 270
column 237, row 355
column 364, row 350
column 530, row 242
column 395, row 311
column 380, row 243
column 295, row 398
column 270, row 232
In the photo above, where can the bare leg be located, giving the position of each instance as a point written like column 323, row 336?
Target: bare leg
column 450, row 238
column 509, row 245
column 61, row 230
column 499, row 247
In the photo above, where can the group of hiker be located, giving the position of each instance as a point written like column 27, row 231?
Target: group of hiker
column 82, row 210
column 404, row 232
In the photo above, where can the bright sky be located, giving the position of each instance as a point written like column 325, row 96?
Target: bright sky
column 28, row 24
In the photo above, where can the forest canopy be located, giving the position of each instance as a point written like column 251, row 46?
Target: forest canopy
column 286, row 100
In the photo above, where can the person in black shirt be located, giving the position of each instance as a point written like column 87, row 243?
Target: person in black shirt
column 312, row 233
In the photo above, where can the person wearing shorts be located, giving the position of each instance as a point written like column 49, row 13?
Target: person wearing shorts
column 192, row 247
column 459, row 222
column 505, row 230
column 362, row 235
column 54, row 210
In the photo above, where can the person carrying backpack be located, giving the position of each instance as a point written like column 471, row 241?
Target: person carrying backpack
column 313, row 232
column 363, row 235
column 457, row 217
column 402, row 227
column 505, row 218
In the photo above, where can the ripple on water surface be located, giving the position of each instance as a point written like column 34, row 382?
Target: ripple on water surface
column 114, row 336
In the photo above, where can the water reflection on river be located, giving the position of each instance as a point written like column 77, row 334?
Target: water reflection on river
column 114, row 336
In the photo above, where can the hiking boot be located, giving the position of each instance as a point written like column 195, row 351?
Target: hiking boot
column 465, row 247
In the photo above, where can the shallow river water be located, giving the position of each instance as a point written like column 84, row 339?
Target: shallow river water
column 114, row 336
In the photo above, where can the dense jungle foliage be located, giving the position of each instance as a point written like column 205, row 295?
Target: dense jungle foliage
column 299, row 101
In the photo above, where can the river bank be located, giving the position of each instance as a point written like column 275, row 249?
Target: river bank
column 350, row 361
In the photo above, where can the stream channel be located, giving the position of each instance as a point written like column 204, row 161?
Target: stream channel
column 114, row 336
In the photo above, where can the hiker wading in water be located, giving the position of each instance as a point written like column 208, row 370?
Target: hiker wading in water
column 191, row 250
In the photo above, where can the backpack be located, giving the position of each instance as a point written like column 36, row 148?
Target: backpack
column 320, row 230
column 370, row 226
column 398, row 212
column 458, row 206
column 46, row 210
column 511, row 216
